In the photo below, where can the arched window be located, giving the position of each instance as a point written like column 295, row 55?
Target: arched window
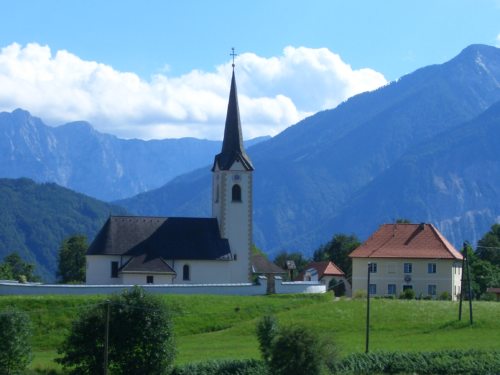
column 185, row 272
column 236, row 193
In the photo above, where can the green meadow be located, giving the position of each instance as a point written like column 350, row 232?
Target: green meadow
column 210, row 327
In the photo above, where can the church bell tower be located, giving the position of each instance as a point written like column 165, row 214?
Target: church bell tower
column 232, row 191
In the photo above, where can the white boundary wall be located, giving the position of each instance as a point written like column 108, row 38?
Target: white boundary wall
column 243, row 289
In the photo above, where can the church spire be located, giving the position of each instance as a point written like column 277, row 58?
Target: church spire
column 232, row 146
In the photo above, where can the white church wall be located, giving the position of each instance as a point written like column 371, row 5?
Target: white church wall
column 243, row 289
column 141, row 278
column 202, row 271
column 99, row 269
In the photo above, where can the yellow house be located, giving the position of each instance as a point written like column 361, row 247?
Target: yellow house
column 407, row 256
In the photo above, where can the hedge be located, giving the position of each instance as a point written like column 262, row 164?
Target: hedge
column 443, row 362
column 223, row 367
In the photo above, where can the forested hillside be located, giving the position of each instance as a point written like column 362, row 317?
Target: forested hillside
column 35, row 218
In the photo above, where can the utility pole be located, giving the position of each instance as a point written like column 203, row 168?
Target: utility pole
column 464, row 255
column 106, row 339
column 368, row 309
column 468, row 282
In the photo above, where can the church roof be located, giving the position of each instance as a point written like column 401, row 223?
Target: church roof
column 147, row 263
column 406, row 241
column 232, row 145
column 163, row 237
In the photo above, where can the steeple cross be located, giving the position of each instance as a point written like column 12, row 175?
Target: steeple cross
column 233, row 55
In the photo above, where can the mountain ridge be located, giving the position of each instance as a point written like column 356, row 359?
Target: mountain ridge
column 308, row 173
column 70, row 153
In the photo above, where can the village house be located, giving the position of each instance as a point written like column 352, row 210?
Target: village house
column 407, row 256
column 182, row 250
column 324, row 272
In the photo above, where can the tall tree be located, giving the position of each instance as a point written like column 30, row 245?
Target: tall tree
column 140, row 337
column 337, row 250
column 297, row 257
column 15, row 346
column 488, row 247
column 71, row 260
column 14, row 267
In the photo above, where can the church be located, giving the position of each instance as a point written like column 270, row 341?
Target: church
column 137, row 250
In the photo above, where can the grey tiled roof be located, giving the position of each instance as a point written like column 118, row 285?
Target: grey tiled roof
column 232, row 146
column 161, row 237
column 147, row 263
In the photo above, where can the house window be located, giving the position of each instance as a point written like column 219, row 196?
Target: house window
column 114, row 270
column 431, row 268
column 185, row 272
column 391, row 289
column 236, row 193
column 407, row 287
column 150, row 280
column 408, row 268
column 391, row 268
column 372, row 288
column 431, row 290
column 372, row 267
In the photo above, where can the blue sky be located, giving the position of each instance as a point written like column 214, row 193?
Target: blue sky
column 176, row 48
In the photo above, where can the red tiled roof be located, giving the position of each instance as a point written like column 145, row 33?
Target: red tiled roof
column 406, row 241
column 325, row 268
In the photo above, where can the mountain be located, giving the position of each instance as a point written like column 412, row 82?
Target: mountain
column 35, row 218
column 76, row 156
column 452, row 180
column 310, row 173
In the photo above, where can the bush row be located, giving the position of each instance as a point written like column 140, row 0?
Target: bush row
column 223, row 367
column 442, row 362
column 459, row 362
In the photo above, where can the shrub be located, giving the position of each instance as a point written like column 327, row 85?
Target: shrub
column 297, row 351
column 15, row 348
column 223, row 367
column 140, row 337
column 407, row 294
column 445, row 296
column 443, row 362
column 488, row 297
column 267, row 329
column 359, row 294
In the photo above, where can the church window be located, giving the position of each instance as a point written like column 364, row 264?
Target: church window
column 114, row 270
column 236, row 193
column 185, row 272
column 217, row 193
column 149, row 280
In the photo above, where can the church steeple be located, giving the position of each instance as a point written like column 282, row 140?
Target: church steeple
column 232, row 189
column 232, row 146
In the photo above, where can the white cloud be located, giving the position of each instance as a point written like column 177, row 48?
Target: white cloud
column 498, row 40
column 274, row 92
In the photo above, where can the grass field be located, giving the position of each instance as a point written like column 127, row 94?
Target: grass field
column 224, row 326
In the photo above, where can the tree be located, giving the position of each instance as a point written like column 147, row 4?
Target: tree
column 15, row 348
column 267, row 329
column 337, row 250
column 14, row 267
column 299, row 260
column 297, row 351
column 71, row 260
column 488, row 247
column 403, row 221
column 5, row 272
column 140, row 337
